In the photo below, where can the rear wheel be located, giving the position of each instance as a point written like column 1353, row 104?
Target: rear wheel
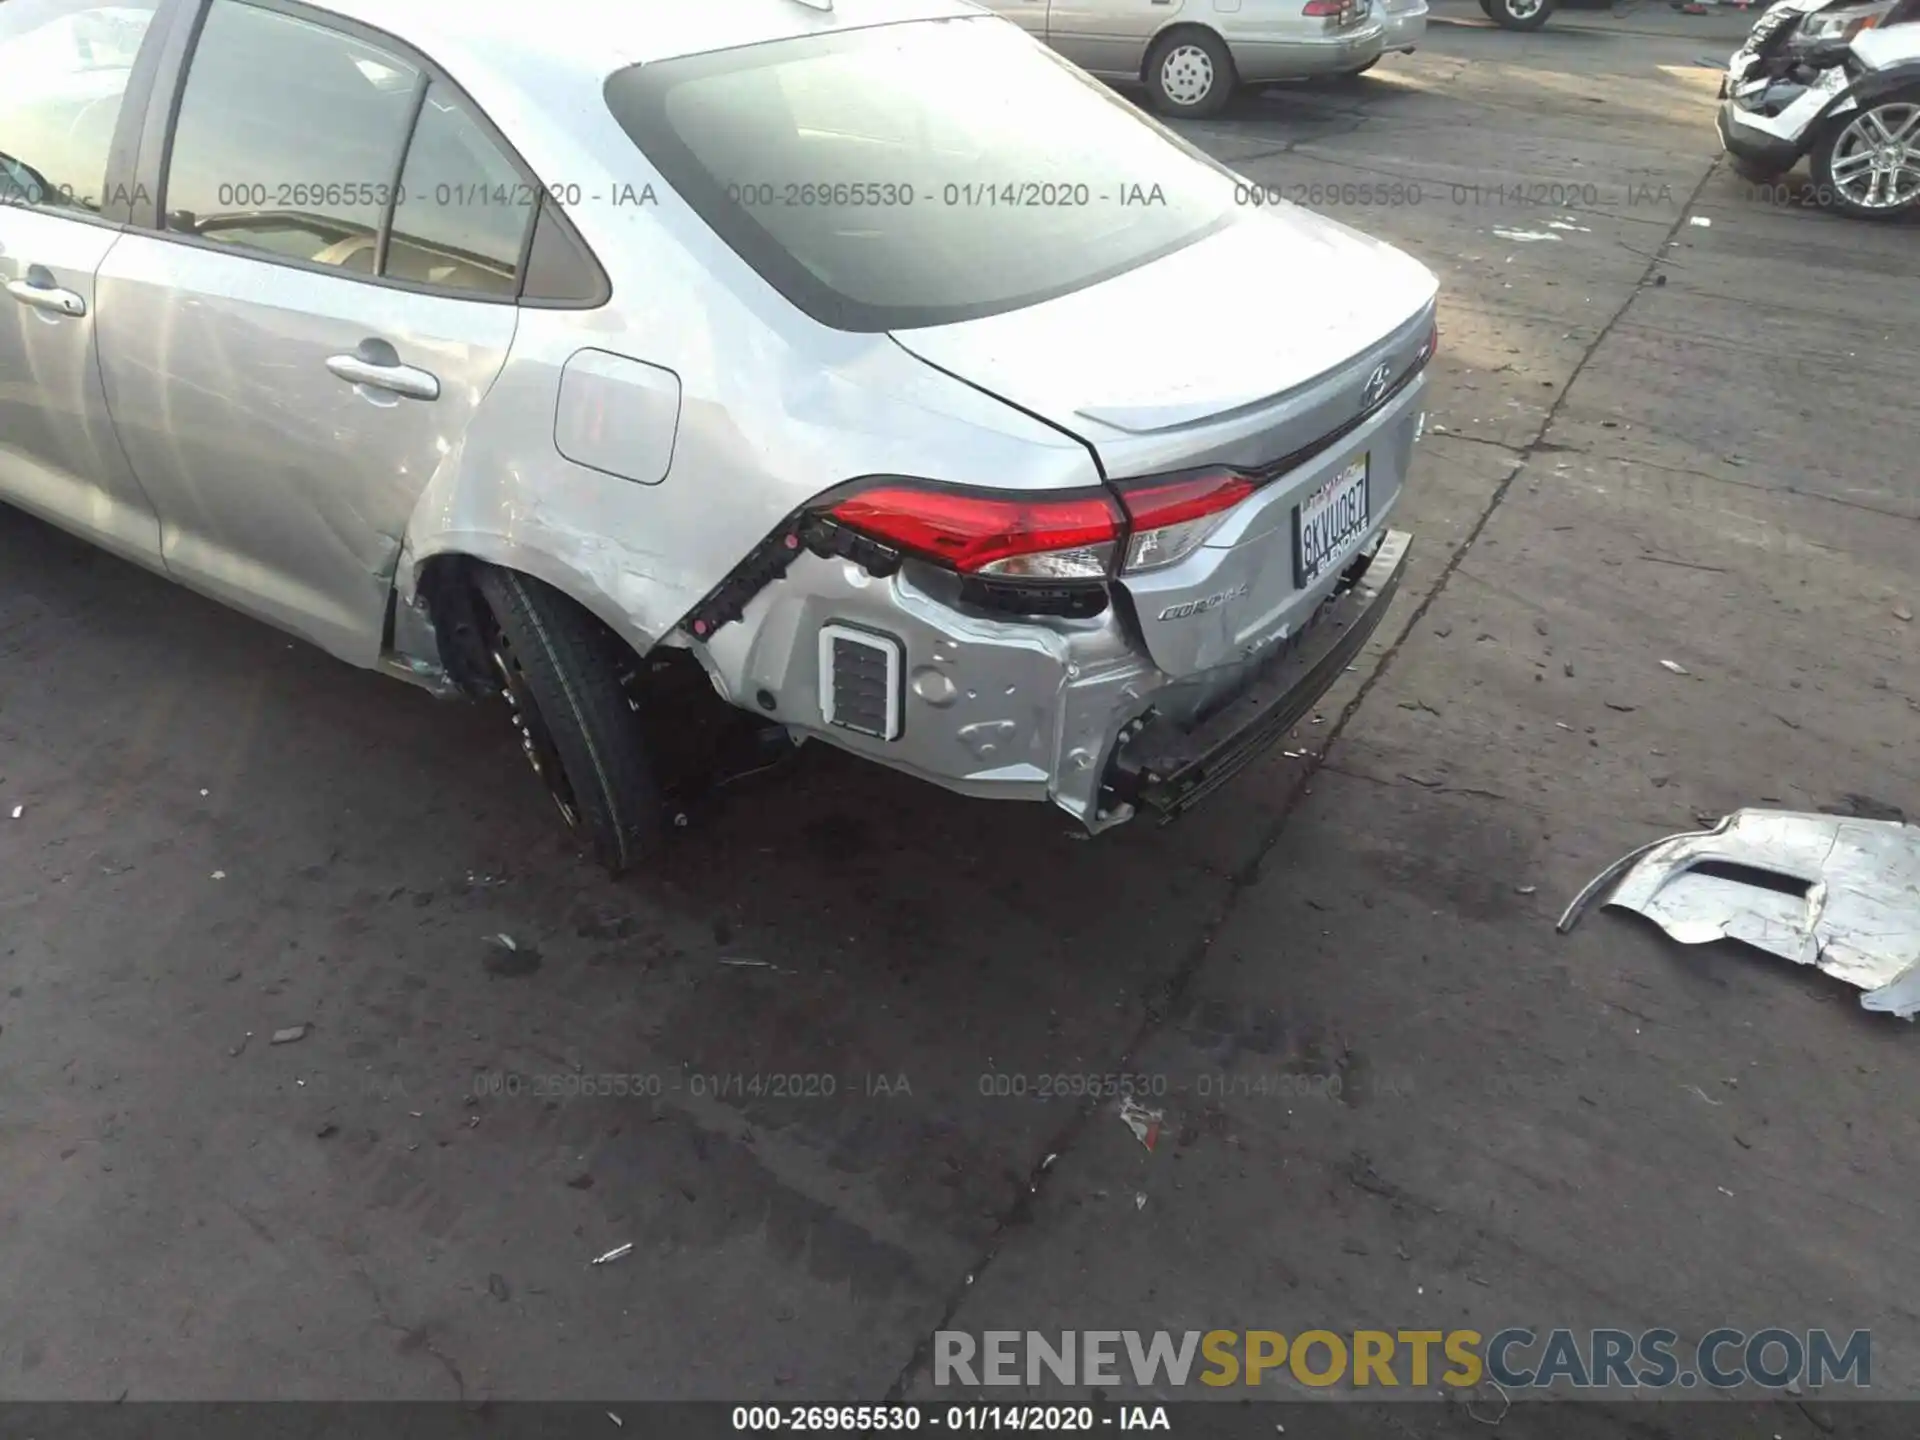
column 1190, row 73
column 1868, row 164
column 561, row 673
column 1518, row 14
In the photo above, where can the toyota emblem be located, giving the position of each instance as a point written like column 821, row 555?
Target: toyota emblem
column 1375, row 390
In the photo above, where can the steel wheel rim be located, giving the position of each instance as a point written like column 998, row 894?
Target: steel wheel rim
column 1876, row 160
column 1521, row 9
column 535, row 740
column 1186, row 75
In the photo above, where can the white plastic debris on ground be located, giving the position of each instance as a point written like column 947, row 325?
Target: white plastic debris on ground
column 1836, row 893
column 1525, row 236
column 1144, row 1123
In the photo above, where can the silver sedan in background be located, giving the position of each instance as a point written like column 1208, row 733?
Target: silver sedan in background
column 1192, row 55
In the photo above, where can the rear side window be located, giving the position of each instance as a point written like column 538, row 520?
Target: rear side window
column 65, row 65
column 306, row 143
column 463, row 210
column 920, row 173
column 289, row 139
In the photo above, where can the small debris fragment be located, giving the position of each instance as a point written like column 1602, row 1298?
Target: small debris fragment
column 235, row 1051
column 290, row 1034
column 1623, row 709
column 1675, row 666
column 203, row 794
column 1704, row 1096
column 1144, row 1123
column 1140, row 1200
column 1702, row 221
column 507, row 958
column 1046, row 1163
column 497, row 1287
column 1900, row 612
column 616, row 1420
column 582, row 1181
column 18, row 811
column 1506, row 1404
column 757, row 964
column 1526, row 889
column 619, row 1252
column 1724, row 1191
column 219, row 874
column 326, row 1131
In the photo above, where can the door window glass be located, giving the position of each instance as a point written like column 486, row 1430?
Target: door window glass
column 464, row 209
column 66, row 64
column 289, row 138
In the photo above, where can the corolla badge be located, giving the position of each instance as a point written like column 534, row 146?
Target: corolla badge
column 1375, row 390
column 1200, row 607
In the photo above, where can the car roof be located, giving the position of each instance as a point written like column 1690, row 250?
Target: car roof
column 608, row 35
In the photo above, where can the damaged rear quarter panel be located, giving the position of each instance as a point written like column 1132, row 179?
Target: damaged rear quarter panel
column 774, row 409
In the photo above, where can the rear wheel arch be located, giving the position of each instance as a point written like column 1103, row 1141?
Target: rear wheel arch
column 445, row 579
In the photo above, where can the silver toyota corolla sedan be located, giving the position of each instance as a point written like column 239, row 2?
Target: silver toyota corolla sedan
column 869, row 366
column 1193, row 54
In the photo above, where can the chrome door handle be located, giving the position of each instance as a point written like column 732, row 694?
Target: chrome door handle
column 400, row 379
column 50, row 298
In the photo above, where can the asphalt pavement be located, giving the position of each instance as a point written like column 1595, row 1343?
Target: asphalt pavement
column 1671, row 420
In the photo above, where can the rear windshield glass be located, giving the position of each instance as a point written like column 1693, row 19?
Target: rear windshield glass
column 920, row 173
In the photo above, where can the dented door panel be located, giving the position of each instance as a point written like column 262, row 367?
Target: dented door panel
column 283, row 486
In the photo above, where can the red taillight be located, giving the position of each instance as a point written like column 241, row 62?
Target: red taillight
column 1069, row 537
column 1171, row 518
column 1154, row 506
column 1325, row 9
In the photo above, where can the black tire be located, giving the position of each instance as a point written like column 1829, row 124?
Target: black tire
column 1519, row 14
column 561, row 672
column 1218, row 63
column 1901, row 108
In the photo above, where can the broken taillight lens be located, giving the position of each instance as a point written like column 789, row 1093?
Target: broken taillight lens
column 1072, row 536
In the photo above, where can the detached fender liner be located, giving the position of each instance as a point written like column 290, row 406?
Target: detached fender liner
column 1168, row 770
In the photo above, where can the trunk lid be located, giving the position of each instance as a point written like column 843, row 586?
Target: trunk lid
column 1237, row 320
column 1285, row 344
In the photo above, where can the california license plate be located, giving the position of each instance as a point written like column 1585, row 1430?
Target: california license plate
column 1330, row 523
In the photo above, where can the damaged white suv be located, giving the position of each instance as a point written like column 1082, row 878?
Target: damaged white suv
column 863, row 361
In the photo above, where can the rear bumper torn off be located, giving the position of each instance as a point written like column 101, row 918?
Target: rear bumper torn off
column 1167, row 769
